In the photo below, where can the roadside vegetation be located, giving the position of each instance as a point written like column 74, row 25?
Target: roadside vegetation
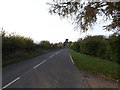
column 16, row 48
column 99, row 66
column 100, row 46
column 98, row 54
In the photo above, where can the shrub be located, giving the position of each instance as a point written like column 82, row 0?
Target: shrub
column 76, row 46
column 101, row 47
column 12, row 43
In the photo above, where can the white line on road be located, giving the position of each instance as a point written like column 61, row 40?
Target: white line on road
column 60, row 51
column 33, row 68
column 10, row 83
column 39, row 64
column 71, row 59
column 51, row 56
column 80, row 73
column 36, row 66
column 46, row 60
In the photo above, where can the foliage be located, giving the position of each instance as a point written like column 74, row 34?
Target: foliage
column 16, row 48
column 45, row 44
column 84, row 13
column 12, row 43
column 75, row 46
column 100, row 66
column 114, row 48
column 66, row 42
column 99, row 46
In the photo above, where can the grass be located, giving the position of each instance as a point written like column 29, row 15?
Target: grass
column 102, row 67
column 7, row 60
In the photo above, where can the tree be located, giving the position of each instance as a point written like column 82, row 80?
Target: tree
column 114, row 43
column 66, row 42
column 45, row 44
column 84, row 14
column 99, row 46
column 75, row 46
column 12, row 43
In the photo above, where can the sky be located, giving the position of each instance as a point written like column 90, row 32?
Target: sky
column 30, row 18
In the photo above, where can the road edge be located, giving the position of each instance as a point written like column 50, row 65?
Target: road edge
column 81, row 74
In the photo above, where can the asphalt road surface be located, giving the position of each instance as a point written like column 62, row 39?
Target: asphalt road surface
column 52, row 70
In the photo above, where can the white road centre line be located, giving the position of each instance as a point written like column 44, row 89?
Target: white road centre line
column 59, row 52
column 72, row 59
column 56, row 53
column 45, row 60
column 51, row 56
column 42, row 62
column 10, row 83
column 39, row 64
column 36, row 66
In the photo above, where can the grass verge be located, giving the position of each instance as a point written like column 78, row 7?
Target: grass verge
column 7, row 60
column 102, row 67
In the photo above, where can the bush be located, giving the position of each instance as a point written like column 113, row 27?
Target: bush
column 45, row 44
column 12, row 43
column 101, row 47
column 114, row 43
column 75, row 46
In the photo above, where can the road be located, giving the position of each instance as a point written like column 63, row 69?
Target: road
column 52, row 70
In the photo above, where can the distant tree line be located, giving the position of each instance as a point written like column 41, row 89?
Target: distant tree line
column 99, row 46
column 46, row 44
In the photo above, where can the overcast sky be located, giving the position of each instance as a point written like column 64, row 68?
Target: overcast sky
column 30, row 18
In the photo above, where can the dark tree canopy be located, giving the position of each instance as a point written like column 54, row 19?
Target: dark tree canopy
column 84, row 14
column 66, row 42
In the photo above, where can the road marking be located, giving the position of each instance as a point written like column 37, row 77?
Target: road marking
column 59, row 51
column 80, row 73
column 72, row 59
column 39, row 64
column 56, row 53
column 33, row 68
column 10, row 83
column 43, row 62
column 51, row 56
column 36, row 66
column 46, row 60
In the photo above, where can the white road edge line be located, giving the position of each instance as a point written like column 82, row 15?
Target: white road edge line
column 72, row 59
column 10, row 83
column 39, row 64
column 80, row 72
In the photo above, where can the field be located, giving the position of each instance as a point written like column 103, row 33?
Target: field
column 101, row 67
